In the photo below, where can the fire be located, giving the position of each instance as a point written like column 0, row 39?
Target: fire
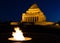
column 18, row 35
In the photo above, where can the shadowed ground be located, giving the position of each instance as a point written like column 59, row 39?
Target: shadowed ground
column 39, row 34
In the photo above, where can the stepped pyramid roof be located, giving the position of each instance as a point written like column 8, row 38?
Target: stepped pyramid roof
column 34, row 8
column 34, row 14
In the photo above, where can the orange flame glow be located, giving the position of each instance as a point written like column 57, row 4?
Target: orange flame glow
column 18, row 35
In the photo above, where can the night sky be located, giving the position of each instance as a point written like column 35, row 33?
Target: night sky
column 11, row 10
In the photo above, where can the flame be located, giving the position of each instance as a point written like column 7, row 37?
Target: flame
column 18, row 35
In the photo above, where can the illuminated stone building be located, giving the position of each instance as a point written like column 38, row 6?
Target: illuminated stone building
column 35, row 15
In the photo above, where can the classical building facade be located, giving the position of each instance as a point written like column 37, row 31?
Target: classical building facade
column 34, row 14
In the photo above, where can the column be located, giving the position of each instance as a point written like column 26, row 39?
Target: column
column 37, row 18
column 27, row 19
